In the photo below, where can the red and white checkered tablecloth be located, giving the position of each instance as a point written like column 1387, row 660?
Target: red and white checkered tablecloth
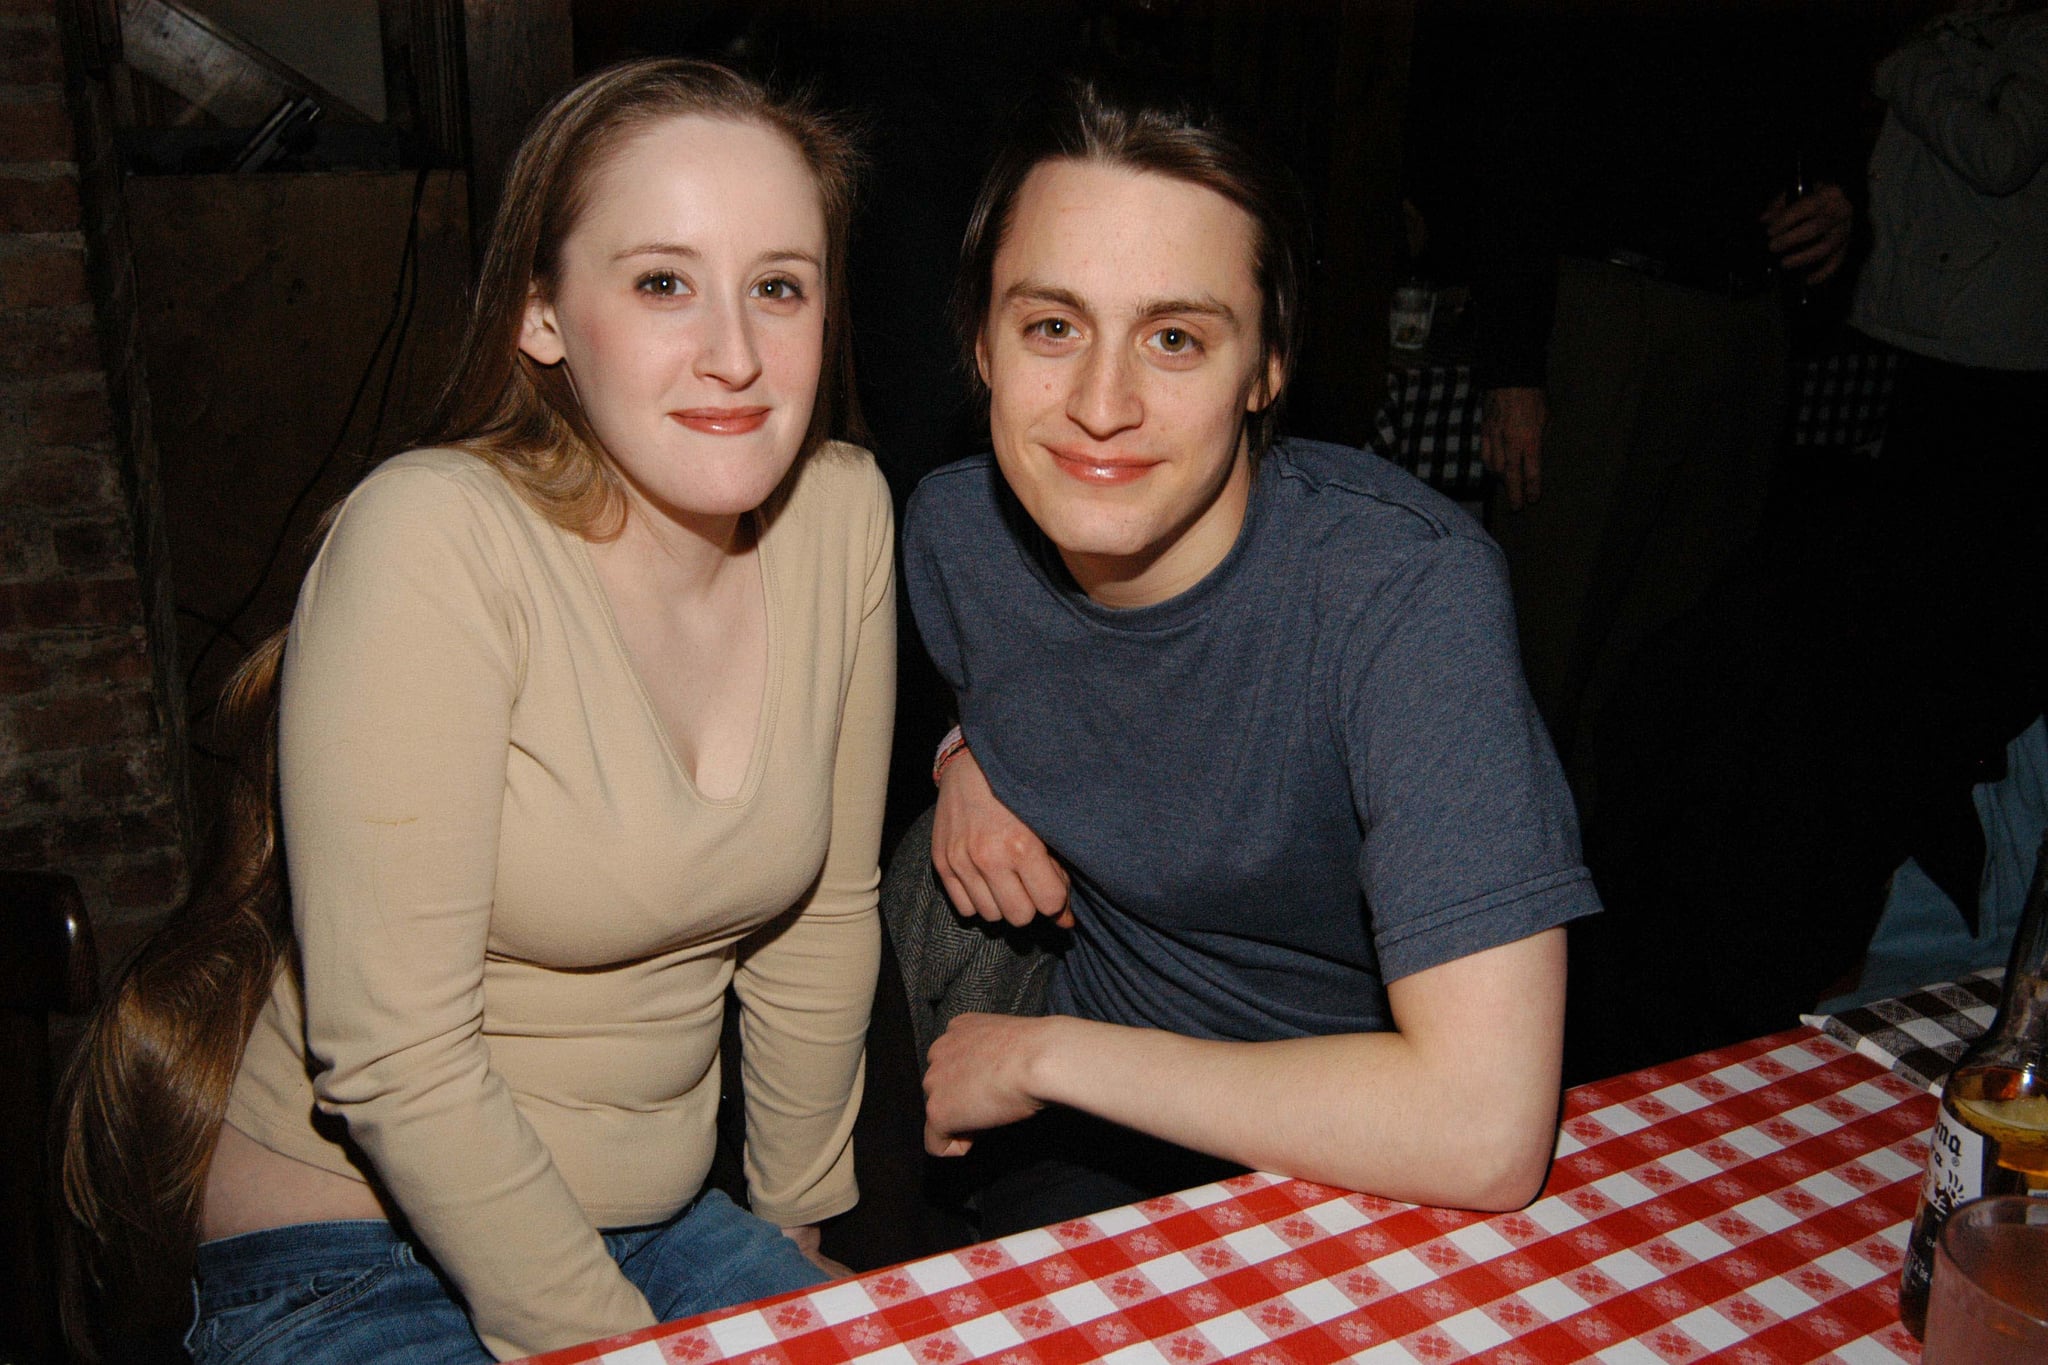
column 1747, row 1205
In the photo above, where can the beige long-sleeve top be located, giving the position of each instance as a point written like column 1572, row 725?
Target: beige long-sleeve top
column 516, row 916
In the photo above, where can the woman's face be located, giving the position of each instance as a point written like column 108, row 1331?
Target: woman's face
column 689, row 311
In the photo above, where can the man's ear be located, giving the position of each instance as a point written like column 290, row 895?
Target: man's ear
column 1267, row 391
column 981, row 356
column 539, row 336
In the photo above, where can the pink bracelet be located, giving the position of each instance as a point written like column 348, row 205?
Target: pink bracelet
column 950, row 748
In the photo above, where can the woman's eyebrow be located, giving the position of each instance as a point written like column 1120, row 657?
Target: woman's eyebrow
column 791, row 253
column 656, row 249
column 773, row 256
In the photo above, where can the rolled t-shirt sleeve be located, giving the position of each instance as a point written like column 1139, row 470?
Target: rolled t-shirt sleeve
column 404, row 664
column 1470, row 840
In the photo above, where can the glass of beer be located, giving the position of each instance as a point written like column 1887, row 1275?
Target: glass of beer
column 1989, row 1304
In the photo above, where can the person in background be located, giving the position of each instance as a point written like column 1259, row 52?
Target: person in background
column 1646, row 197
column 1246, row 711
column 1957, row 279
column 1632, row 189
column 583, row 716
column 1949, row 586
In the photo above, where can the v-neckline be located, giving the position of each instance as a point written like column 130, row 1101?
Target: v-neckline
column 771, row 677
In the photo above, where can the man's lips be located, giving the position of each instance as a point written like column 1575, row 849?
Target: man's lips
column 1100, row 467
column 722, row 421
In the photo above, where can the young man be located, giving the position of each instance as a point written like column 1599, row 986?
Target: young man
column 1249, row 712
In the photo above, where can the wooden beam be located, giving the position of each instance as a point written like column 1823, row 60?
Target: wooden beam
column 518, row 57
column 423, row 60
column 214, row 70
column 1362, row 229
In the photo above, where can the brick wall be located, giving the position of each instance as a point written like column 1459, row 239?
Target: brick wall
column 91, row 713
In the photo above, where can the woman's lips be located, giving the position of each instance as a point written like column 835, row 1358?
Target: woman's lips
column 722, row 421
column 1100, row 468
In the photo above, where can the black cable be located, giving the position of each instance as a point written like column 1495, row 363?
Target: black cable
column 396, row 325
column 218, row 627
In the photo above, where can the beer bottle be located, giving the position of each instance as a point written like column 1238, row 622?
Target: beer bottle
column 1991, row 1134
column 1793, row 290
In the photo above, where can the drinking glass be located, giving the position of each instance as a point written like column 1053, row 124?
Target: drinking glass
column 1989, row 1305
column 1409, row 317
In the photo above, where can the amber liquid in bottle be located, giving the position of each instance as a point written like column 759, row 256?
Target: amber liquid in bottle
column 1991, row 1134
column 1991, row 1138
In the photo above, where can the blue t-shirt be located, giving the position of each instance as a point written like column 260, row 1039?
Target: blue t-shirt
column 1316, row 771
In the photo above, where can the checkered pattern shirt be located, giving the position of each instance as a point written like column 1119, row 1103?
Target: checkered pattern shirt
column 1842, row 396
column 1429, row 425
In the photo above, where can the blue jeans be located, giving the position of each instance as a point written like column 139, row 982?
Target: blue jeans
column 343, row 1292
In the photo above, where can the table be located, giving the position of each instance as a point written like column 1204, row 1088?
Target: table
column 1748, row 1204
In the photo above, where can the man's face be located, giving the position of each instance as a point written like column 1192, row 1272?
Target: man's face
column 1121, row 352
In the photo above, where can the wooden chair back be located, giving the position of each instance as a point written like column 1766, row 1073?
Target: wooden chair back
column 48, row 965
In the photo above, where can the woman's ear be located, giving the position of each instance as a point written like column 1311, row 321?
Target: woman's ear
column 981, row 356
column 539, row 336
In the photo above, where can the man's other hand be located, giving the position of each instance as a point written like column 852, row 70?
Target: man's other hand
column 1511, row 441
column 1810, row 236
column 989, row 861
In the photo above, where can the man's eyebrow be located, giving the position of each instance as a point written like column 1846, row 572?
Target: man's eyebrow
column 1035, row 291
column 1205, row 305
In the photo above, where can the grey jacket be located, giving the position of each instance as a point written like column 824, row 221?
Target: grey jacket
column 953, row 965
column 1958, row 202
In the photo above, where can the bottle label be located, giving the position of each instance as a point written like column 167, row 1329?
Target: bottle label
column 1955, row 1164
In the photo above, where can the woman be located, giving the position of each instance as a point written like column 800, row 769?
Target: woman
column 584, row 715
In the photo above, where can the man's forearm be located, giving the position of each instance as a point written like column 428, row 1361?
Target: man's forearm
column 1357, row 1111
column 1457, row 1108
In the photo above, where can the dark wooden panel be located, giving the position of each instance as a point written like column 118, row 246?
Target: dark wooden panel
column 262, row 300
column 1327, row 81
column 519, row 56
column 423, row 61
column 1361, row 232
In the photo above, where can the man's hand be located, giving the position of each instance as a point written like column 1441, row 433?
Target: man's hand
column 989, row 861
column 979, row 1077
column 806, row 1237
column 1511, row 441
column 1811, row 235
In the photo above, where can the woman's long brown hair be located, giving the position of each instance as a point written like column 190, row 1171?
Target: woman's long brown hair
column 140, row 1107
